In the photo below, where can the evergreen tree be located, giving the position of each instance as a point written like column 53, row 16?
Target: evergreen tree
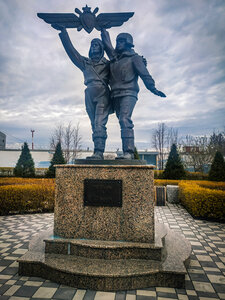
column 25, row 164
column 57, row 159
column 136, row 155
column 174, row 167
column 217, row 170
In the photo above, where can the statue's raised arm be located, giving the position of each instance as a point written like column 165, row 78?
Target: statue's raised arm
column 107, row 44
column 73, row 54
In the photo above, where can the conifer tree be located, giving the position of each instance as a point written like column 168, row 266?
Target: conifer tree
column 174, row 167
column 25, row 163
column 57, row 159
column 136, row 155
column 217, row 170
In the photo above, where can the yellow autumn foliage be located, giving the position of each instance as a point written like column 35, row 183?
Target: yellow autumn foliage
column 164, row 182
column 20, row 180
column 203, row 199
column 26, row 195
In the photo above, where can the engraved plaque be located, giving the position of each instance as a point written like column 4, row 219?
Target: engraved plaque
column 99, row 192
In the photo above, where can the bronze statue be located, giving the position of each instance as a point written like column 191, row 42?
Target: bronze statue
column 121, row 73
column 97, row 95
column 125, row 68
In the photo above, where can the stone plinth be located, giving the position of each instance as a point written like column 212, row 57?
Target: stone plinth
column 132, row 222
column 172, row 192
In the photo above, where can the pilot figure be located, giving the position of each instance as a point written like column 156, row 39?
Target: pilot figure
column 97, row 96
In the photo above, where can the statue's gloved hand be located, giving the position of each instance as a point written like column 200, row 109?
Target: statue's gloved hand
column 158, row 93
column 105, row 34
column 59, row 27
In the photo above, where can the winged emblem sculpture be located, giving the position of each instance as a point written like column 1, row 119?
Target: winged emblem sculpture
column 87, row 19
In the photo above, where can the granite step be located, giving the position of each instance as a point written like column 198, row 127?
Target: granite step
column 111, row 275
column 98, row 274
column 109, row 249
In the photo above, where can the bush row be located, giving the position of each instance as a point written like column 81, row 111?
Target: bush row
column 27, row 198
column 165, row 182
column 202, row 201
column 158, row 174
column 20, row 180
column 8, row 171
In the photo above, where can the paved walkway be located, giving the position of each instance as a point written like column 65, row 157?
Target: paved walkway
column 205, row 279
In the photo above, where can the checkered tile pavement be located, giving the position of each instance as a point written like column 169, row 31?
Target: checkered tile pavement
column 205, row 279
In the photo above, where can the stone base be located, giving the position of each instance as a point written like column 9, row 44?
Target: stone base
column 132, row 221
column 109, row 266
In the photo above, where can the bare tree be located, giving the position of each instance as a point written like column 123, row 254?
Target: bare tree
column 70, row 139
column 163, row 138
column 159, row 141
column 68, row 142
column 57, row 136
column 197, row 152
column 172, row 137
column 77, row 140
column 217, row 142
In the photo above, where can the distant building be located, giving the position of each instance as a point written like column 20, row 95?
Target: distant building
column 2, row 140
column 42, row 158
column 151, row 157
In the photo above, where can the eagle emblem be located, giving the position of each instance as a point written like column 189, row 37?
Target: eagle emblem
column 86, row 20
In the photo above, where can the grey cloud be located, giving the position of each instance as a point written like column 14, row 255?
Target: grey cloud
column 182, row 41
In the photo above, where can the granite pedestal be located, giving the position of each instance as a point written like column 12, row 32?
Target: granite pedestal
column 107, row 247
column 133, row 221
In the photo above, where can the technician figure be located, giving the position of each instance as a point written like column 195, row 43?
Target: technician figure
column 125, row 67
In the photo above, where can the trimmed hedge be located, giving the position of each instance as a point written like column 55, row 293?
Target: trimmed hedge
column 21, row 197
column 158, row 174
column 22, row 181
column 195, row 176
column 203, row 199
column 165, row 182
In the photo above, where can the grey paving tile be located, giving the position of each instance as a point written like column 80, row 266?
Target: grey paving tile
column 219, row 288
column 145, row 298
column 166, row 295
column 4, row 288
column 4, row 297
column 89, row 295
column 26, row 291
column 64, row 293
column 131, row 292
column 50, row 284
column 207, row 260
column 120, row 295
column 198, row 277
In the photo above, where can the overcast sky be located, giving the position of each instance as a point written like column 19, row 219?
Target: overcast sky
column 182, row 40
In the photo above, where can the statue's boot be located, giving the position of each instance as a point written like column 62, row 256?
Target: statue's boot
column 127, row 143
column 96, row 155
column 99, row 148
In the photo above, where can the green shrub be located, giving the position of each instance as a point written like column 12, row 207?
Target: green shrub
column 158, row 174
column 217, row 170
column 174, row 167
column 57, row 159
column 25, row 164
